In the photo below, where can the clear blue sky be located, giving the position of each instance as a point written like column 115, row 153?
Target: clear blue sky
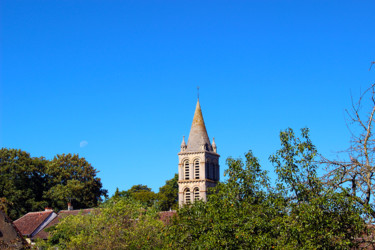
column 122, row 76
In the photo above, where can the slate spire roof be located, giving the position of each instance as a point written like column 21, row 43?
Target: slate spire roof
column 198, row 137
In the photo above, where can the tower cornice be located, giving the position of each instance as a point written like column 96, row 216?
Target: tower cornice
column 197, row 181
column 198, row 152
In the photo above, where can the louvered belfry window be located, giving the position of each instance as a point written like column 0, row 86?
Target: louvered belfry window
column 187, row 196
column 196, row 194
column 187, row 172
column 196, row 169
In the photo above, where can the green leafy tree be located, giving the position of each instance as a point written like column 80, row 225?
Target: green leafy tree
column 168, row 195
column 120, row 223
column 296, row 167
column 147, row 198
column 139, row 188
column 30, row 184
column 238, row 213
column 318, row 217
column 141, row 193
column 166, row 199
column 71, row 190
column 72, row 179
column 22, row 182
column 245, row 211
column 4, row 205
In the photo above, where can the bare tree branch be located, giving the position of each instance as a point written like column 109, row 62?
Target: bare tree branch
column 357, row 175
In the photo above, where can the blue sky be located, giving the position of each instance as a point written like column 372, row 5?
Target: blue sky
column 115, row 81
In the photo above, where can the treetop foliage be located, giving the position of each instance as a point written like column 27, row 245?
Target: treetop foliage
column 32, row 183
column 120, row 223
column 244, row 212
column 165, row 199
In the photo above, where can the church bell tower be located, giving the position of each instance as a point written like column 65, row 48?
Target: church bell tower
column 198, row 167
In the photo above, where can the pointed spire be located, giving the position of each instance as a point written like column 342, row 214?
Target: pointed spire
column 198, row 137
column 214, row 144
column 183, row 144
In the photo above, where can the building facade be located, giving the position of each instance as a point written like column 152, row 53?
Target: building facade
column 198, row 167
column 10, row 236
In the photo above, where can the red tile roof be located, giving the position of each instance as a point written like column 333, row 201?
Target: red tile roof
column 42, row 234
column 166, row 216
column 63, row 213
column 76, row 212
column 28, row 223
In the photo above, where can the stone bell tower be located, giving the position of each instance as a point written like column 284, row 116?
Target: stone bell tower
column 198, row 167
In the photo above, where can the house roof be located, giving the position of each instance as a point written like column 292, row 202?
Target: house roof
column 28, row 223
column 198, row 134
column 166, row 216
column 76, row 212
column 42, row 234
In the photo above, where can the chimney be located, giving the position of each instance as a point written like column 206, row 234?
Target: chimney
column 70, row 207
column 48, row 209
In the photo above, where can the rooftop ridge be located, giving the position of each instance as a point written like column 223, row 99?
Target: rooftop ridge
column 35, row 212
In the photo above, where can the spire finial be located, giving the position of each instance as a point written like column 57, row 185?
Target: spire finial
column 198, row 91
column 214, row 145
column 183, row 144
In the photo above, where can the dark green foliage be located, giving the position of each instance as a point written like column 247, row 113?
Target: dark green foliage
column 120, row 223
column 166, row 199
column 22, row 182
column 317, row 215
column 246, row 212
column 168, row 195
column 139, row 192
column 139, row 188
column 73, row 179
column 30, row 184
column 295, row 166
column 238, row 214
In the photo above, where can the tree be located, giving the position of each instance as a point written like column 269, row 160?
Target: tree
column 72, row 179
column 296, row 167
column 317, row 215
column 30, row 184
column 147, row 198
column 139, row 192
column 236, row 215
column 168, row 194
column 22, row 182
column 120, row 223
column 356, row 175
column 245, row 211
column 4, row 205
column 139, row 188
